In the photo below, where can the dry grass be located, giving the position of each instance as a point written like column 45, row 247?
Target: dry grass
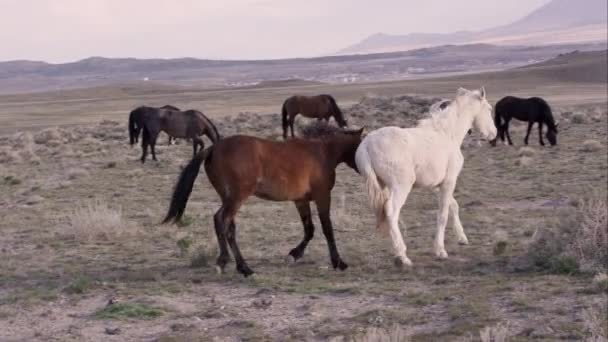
column 579, row 118
column 526, row 152
column 497, row 333
column 591, row 146
column 595, row 322
column 579, row 242
column 393, row 334
column 524, row 161
column 97, row 220
column 590, row 242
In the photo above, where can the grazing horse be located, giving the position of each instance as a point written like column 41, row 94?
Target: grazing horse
column 190, row 124
column 319, row 106
column 136, row 123
column 393, row 160
column 298, row 170
column 532, row 110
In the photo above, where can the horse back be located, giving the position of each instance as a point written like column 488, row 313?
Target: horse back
column 309, row 106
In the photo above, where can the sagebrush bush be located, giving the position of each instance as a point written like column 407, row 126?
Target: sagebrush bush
column 579, row 240
column 591, row 146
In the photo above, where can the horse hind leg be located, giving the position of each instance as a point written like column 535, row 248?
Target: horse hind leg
column 446, row 194
column 392, row 209
column 228, row 214
column 220, row 232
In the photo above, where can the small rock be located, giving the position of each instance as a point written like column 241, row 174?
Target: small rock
column 112, row 331
column 35, row 199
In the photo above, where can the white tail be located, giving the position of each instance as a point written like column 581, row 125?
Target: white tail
column 376, row 193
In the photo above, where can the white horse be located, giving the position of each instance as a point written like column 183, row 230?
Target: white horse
column 394, row 159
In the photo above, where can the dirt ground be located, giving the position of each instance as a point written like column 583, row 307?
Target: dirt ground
column 81, row 241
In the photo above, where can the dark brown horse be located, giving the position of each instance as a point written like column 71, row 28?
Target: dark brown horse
column 296, row 170
column 190, row 124
column 136, row 123
column 321, row 107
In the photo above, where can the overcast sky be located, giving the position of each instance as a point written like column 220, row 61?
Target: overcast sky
column 68, row 30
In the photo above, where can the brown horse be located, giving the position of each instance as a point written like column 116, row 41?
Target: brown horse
column 190, row 124
column 135, row 118
column 320, row 107
column 296, row 170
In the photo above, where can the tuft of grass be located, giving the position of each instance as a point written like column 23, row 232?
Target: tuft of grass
column 134, row 310
column 200, row 258
column 601, row 282
column 591, row 146
column 11, row 180
column 497, row 333
column 96, row 220
column 184, row 245
column 500, row 247
column 374, row 334
column 524, row 161
column 579, row 118
column 79, row 286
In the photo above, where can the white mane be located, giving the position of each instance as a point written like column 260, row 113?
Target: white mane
column 439, row 119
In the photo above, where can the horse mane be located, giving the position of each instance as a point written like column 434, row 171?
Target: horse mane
column 206, row 119
column 441, row 116
column 334, row 105
column 548, row 114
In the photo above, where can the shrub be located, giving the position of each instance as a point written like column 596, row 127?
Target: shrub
column 591, row 146
column 526, row 152
column 579, row 118
column 578, row 241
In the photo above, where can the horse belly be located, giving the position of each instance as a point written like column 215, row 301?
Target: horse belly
column 281, row 189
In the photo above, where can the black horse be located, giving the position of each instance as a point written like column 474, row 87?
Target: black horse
column 533, row 110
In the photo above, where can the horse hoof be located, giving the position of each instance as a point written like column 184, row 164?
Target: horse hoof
column 441, row 254
column 219, row 270
column 341, row 265
column 295, row 255
column 400, row 262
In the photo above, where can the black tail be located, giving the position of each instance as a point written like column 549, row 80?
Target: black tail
column 132, row 127
column 337, row 112
column 184, row 186
column 285, row 119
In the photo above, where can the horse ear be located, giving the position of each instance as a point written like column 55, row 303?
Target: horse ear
column 482, row 91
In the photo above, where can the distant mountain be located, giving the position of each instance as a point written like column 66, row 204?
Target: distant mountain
column 167, row 74
column 559, row 21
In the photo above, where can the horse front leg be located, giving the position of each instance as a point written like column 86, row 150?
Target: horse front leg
column 309, row 229
column 540, row 133
column 323, row 202
column 507, row 133
column 458, row 229
column 530, row 124
column 152, row 148
column 292, row 119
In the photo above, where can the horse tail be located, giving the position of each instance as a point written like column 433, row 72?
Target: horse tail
column 376, row 193
column 338, row 115
column 184, row 186
column 132, row 127
column 284, row 115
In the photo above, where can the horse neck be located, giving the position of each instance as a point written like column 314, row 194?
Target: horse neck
column 339, row 149
column 454, row 124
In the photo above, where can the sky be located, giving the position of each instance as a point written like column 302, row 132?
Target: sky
column 69, row 30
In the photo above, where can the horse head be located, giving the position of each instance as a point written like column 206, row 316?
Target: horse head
column 476, row 103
